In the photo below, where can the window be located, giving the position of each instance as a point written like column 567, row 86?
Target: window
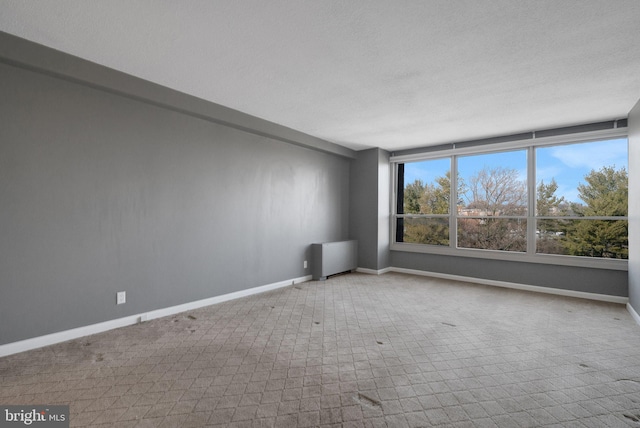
column 582, row 199
column 536, row 201
column 424, row 206
column 492, row 195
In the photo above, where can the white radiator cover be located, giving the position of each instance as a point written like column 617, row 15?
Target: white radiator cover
column 329, row 258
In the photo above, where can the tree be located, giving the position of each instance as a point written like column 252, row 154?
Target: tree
column 548, row 204
column 433, row 198
column 605, row 193
column 497, row 191
column 432, row 231
column 426, row 199
column 492, row 194
column 412, row 195
column 496, row 198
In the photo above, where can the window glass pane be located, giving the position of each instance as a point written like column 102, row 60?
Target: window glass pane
column 427, row 187
column 493, row 184
column 493, row 233
column 432, row 231
column 580, row 194
column 585, row 179
column 590, row 238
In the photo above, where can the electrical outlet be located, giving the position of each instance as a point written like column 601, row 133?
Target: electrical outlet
column 121, row 297
column 305, row 264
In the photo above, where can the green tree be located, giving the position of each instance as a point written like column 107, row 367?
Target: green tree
column 412, row 194
column 433, row 199
column 605, row 193
column 548, row 204
column 432, row 231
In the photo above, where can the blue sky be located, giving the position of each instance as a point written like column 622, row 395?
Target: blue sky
column 568, row 164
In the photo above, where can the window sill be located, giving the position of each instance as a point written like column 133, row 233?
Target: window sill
column 586, row 262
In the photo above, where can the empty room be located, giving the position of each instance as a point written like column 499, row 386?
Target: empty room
column 320, row 213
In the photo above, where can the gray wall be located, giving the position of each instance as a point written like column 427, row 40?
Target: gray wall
column 384, row 209
column 369, row 224
column 369, row 214
column 590, row 280
column 109, row 183
column 600, row 281
column 634, row 208
column 103, row 193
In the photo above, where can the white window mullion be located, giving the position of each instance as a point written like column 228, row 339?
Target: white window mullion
column 553, row 251
column 453, row 204
column 532, row 197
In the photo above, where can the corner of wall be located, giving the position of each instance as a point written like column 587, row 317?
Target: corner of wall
column 634, row 207
column 369, row 212
column 384, row 210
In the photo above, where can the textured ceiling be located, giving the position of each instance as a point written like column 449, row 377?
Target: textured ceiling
column 366, row 73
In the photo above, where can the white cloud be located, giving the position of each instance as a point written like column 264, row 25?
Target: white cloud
column 592, row 156
column 546, row 174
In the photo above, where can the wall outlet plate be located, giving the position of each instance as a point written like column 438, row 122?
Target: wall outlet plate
column 305, row 264
column 121, row 297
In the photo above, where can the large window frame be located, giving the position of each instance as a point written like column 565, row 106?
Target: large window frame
column 531, row 218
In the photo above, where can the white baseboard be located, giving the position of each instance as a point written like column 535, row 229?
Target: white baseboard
column 633, row 313
column 514, row 285
column 63, row 336
column 159, row 313
column 373, row 271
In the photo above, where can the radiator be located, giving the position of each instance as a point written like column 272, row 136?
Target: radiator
column 329, row 258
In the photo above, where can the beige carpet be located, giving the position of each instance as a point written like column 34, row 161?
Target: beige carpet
column 354, row 351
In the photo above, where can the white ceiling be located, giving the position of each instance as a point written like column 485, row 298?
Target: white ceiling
column 366, row 73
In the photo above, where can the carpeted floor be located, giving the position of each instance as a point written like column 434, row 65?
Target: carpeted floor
column 354, row 351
